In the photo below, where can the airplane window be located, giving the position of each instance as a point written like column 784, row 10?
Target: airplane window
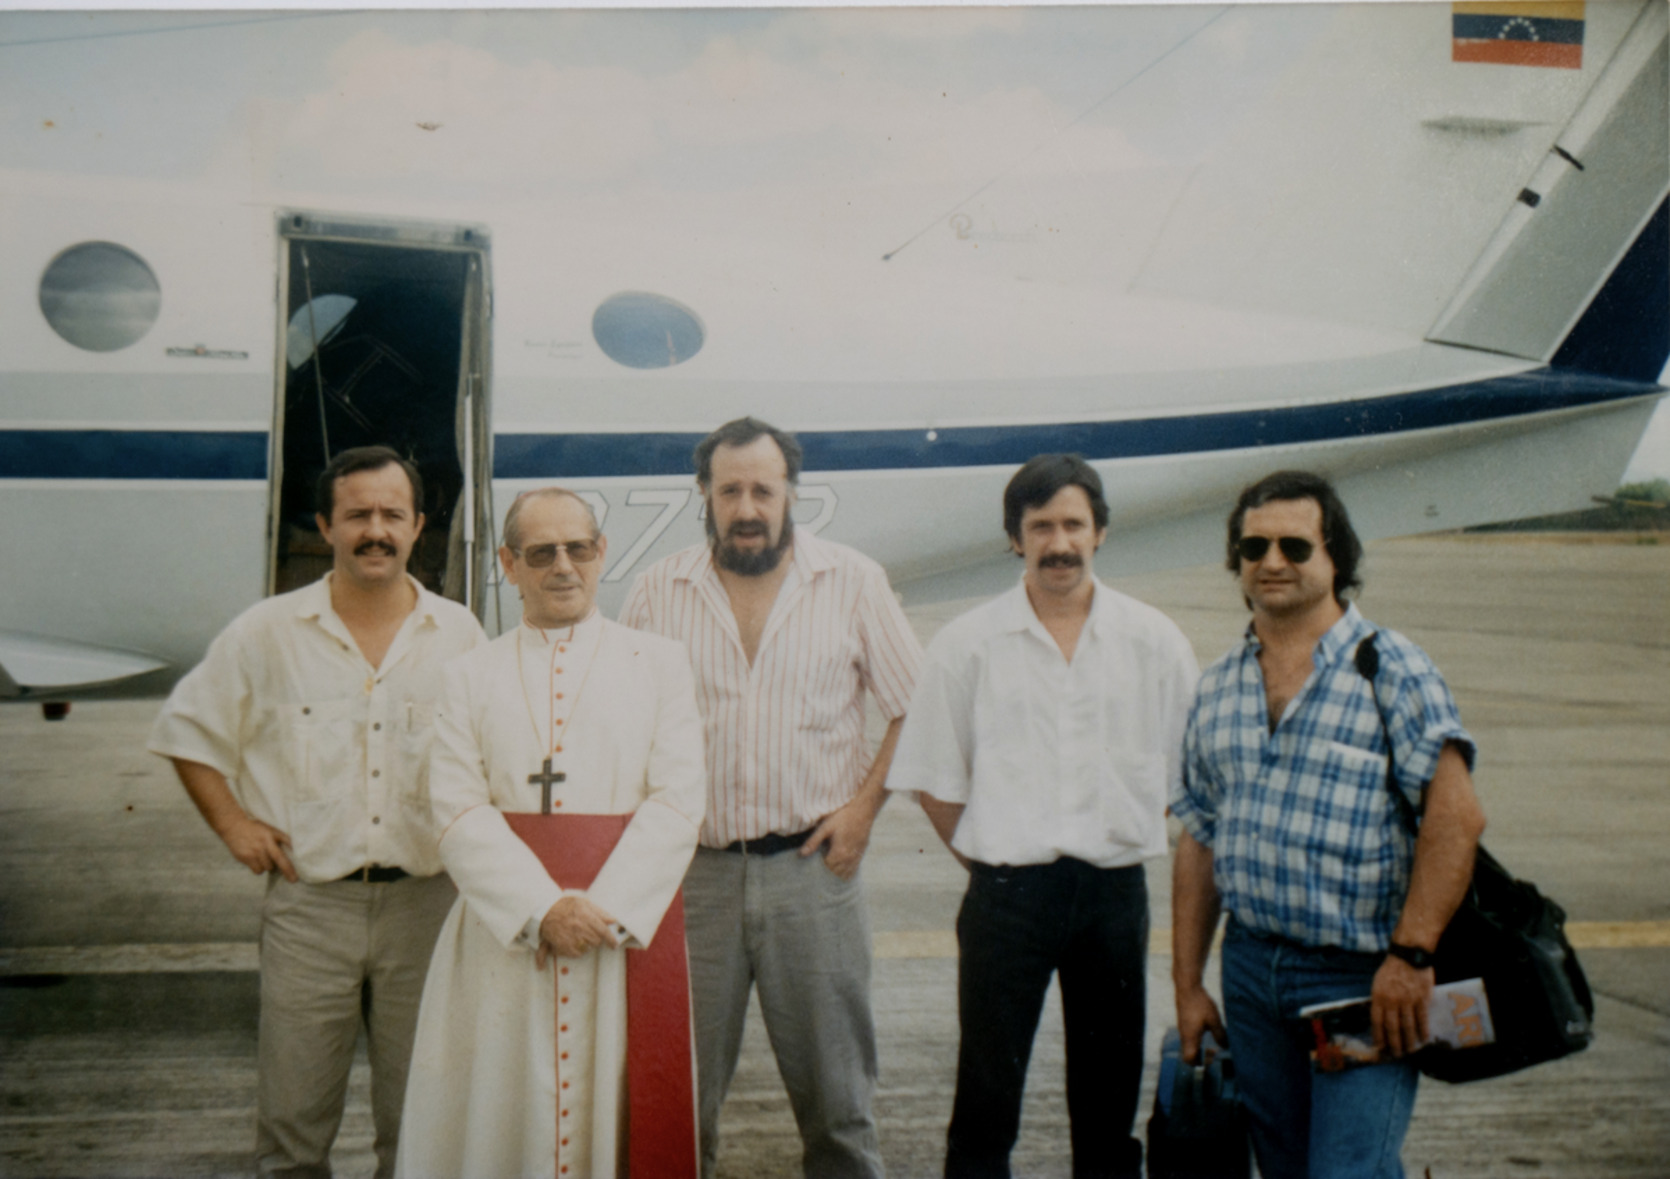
column 314, row 322
column 641, row 330
column 100, row 296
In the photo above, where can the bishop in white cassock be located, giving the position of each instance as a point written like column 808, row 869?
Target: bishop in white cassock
column 519, row 1064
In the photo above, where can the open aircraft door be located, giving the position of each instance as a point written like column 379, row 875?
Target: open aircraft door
column 384, row 337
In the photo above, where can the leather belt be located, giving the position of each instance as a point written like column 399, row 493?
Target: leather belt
column 770, row 845
column 374, row 874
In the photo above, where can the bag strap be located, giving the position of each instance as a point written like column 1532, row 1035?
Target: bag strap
column 1368, row 666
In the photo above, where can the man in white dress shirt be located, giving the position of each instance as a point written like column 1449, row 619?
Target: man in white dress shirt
column 303, row 738
column 1042, row 739
column 520, row 1062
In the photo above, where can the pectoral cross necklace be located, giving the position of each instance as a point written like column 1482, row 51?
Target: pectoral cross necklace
column 546, row 777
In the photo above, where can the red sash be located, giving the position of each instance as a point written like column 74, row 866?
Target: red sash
column 661, row 1123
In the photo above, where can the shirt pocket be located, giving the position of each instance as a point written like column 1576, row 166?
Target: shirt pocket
column 414, row 725
column 1342, row 754
column 326, row 748
column 1348, row 814
column 414, row 736
column 831, row 680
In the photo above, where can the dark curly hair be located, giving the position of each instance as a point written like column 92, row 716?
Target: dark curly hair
column 1338, row 537
column 741, row 432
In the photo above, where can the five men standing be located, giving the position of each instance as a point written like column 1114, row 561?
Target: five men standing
column 303, row 738
column 785, row 633
column 1042, row 741
column 1290, row 826
column 1046, row 732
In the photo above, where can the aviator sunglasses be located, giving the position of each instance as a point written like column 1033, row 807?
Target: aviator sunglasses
column 1252, row 548
column 539, row 556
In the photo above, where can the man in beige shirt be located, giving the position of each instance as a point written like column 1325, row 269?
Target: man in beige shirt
column 303, row 738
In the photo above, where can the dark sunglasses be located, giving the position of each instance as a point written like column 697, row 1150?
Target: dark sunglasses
column 1295, row 548
column 539, row 556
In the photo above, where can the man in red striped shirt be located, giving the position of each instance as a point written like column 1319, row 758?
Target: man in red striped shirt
column 786, row 632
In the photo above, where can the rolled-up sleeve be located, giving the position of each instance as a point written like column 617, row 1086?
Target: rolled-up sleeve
column 1194, row 796
column 935, row 755
column 204, row 718
column 1421, row 718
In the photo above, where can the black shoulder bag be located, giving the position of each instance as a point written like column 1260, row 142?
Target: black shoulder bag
column 1511, row 936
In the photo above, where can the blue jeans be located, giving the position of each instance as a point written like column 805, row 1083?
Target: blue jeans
column 1347, row 1125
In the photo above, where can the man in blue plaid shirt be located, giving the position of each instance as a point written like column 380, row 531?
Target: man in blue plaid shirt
column 1289, row 825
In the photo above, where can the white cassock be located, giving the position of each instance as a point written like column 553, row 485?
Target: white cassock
column 483, row 1098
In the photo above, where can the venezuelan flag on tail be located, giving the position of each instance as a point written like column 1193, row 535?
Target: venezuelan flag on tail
column 1549, row 33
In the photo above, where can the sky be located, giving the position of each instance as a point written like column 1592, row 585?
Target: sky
column 803, row 124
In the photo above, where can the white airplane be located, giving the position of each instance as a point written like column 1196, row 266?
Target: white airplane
column 1384, row 251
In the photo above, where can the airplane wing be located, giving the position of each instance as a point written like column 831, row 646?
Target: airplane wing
column 35, row 665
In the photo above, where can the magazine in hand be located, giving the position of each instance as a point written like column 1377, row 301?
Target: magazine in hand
column 1458, row 1016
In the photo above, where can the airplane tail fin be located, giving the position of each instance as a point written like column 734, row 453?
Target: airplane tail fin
column 1578, row 273
column 1626, row 330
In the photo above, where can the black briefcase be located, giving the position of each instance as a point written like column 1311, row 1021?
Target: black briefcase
column 1199, row 1129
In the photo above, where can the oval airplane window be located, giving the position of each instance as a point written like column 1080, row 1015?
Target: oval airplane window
column 100, row 296
column 641, row 330
column 315, row 322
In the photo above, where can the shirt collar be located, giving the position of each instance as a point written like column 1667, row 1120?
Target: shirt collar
column 1343, row 634
column 1346, row 632
column 1018, row 614
column 314, row 605
column 313, row 601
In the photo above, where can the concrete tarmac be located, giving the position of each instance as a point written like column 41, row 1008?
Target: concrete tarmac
column 128, row 993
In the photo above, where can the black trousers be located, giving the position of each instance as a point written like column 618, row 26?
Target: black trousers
column 1016, row 928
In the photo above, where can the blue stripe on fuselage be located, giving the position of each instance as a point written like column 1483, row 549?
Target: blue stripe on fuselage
column 241, row 455
column 579, row 456
column 133, row 454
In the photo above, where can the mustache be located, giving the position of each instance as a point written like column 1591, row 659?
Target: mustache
column 747, row 528
column 1061, row 561
column 375, row 546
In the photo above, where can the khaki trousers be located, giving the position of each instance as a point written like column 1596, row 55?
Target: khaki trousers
column 334, row 956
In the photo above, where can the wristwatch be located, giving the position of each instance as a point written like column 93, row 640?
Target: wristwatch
column 1418, row 958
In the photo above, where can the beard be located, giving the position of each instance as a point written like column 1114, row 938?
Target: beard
column 743, row 563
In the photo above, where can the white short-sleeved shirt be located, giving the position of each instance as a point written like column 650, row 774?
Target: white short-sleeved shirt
column 1052, row 758
column 785, row 735
column 312, row 738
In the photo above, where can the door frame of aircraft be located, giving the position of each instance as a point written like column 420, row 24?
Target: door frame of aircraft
column 367, row 349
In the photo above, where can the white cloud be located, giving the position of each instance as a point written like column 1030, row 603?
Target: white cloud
column 451, row 111
column 916, row 25
column 790, row 106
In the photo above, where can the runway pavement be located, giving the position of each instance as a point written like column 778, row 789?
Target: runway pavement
column 127, row 992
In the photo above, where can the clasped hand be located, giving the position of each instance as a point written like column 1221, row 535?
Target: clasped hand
column 574, row 926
